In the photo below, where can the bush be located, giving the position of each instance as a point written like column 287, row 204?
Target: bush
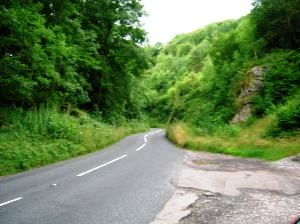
column 282, row 79
column 287, row 119
column 37, row 137
column 249, row 143
column 289, row 116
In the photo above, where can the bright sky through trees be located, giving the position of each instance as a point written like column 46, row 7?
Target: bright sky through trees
column 167, row 18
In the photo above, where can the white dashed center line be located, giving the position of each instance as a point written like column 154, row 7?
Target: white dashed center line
column 103, row 165
column 145, row 139
column 11, row 201
column 93, row 169
column 142, row 146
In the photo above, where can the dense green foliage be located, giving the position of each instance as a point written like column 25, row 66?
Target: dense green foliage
column 37, row 137
column 72, row 52
column 197, row 77
column 277, row 22
column 87, row 55
column 282, row 80
column 200, row 85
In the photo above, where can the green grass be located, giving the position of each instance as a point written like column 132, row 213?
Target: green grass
column 35, row 138
column 248, row 143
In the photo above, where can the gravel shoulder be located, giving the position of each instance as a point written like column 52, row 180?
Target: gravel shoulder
column 221, row 189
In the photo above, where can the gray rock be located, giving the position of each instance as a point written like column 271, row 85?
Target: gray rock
column 254, row 85
column 296, row 158
column 209, row 194
column 243, row 114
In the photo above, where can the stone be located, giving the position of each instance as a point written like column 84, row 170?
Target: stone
column 209, row 194
column 243, row 115
column 255, row 84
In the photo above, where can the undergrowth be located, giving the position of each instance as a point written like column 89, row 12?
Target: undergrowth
column 247, row 142
column 38, row 137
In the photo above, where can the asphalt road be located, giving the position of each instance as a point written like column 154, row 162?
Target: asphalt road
column 128, row 182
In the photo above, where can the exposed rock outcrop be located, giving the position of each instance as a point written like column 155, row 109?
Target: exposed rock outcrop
column 253, row 85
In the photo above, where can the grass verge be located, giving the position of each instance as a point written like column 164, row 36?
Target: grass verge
column 35, row 138
column 248, row 143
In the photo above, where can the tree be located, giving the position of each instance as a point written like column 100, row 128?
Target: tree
column 73, row 52
column 118, row 35
column 277, row 21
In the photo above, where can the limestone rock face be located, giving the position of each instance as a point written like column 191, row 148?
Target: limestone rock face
column 254, row 85
column 243, row 114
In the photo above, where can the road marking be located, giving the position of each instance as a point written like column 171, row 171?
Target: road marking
column 11, row 201
column 155, row 132
column 145, row 139
column 152, row 133
column 103, row 165
column 142, row 146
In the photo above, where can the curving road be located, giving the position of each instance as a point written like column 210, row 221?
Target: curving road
column 128, row 182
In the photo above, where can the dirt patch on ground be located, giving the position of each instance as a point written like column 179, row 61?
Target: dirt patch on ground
column 221, row 189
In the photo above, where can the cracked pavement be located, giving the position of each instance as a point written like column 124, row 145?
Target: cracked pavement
column 221, row 189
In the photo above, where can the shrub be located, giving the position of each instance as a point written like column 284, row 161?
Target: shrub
column 287, row 119
column 282, row 79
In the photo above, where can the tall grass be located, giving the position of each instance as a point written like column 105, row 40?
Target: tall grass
column 249, row 142
column 45, row 135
